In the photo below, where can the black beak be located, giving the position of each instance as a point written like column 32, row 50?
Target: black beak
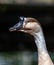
column 18, row 26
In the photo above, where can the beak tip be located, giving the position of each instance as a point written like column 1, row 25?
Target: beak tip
column 10, row 29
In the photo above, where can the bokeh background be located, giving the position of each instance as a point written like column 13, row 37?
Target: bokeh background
column 17, row 48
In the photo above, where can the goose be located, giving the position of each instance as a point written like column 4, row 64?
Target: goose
column 32, row 26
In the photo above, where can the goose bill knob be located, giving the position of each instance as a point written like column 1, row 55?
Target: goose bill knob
column 19, row 25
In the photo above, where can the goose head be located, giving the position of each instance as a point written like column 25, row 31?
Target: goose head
column 27, row 25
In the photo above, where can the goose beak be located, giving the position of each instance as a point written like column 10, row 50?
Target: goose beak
column 18, row 26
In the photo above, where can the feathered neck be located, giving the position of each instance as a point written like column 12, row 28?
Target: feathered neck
column 40, row 41
column 43, row 56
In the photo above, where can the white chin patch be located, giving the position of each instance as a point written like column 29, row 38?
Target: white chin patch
column 25, row 19
column 24, row 22
column 23, row 30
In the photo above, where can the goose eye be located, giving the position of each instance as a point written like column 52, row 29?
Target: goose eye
column 28, row 21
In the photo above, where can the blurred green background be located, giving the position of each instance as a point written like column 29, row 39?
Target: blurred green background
column 21, row 58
